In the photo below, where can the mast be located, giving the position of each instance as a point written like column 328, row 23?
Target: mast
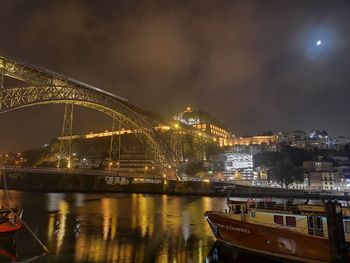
column 0, row 166
column 3, row 178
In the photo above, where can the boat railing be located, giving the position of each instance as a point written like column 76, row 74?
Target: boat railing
column 287, row 206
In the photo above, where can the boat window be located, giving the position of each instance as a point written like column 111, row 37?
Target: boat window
column 290, row 221
column 347, row 226
column 278, row 219
column 315, row 225
column 310, row 222
column 318, row 222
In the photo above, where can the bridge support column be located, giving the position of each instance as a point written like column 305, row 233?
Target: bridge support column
column 66, row 136
column 115, row 145
column 1, row 89
column 177, row 145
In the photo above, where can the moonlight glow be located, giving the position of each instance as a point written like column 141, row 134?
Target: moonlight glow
column 318, row 43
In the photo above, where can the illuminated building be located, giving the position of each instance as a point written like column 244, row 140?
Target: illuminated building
column 321, row 176
column 206, row 123
column 253, row 148
column 314, row 140
column 266, row 139
column 239, row 164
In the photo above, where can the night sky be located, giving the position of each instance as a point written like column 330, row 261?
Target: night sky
column 255, row 65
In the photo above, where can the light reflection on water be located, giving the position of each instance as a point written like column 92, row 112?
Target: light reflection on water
column 116, row 227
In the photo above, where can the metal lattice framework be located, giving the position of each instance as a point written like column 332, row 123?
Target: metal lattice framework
column 115, row 143
column 66, row 145
column 48, row 88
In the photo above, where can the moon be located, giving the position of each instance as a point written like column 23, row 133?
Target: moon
column 319, row 43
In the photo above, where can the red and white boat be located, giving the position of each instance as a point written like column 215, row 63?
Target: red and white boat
column 296, row 232
column 10, row 223
column 10, row 220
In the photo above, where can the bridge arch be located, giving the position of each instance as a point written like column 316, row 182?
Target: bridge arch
column 50, row 88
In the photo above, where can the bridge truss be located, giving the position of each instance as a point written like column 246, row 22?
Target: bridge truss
column 46, row 87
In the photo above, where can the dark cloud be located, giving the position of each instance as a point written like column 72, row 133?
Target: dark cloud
column 252, row 64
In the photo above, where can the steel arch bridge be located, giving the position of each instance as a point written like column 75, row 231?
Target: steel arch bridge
column 46, row 87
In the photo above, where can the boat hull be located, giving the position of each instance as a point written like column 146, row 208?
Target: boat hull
column 271, row 241
column 8, row 230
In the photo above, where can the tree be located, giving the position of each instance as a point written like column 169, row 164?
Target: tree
column 297, row 155
column 285, row 173
column 36, row 156
column 195, row 167
column 267, row 159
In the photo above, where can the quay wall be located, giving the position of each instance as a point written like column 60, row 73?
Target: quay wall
column 101, row 183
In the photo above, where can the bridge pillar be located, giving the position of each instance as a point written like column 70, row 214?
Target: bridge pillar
column 66, row 136
column 115, row 144
column 1, row 89
column 177, row 145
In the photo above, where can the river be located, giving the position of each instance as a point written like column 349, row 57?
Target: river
column 79, row 227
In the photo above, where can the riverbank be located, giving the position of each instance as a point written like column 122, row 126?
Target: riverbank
column 115, row 184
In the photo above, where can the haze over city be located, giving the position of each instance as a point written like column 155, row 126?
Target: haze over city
column 255, row 66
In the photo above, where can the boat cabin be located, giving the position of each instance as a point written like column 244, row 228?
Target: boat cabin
column 306, row 218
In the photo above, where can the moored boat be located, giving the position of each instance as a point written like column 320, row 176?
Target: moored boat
column 10, row 220
column 10, row 223
column 297, row 232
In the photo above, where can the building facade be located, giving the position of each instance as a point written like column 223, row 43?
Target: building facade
column 206, row 124
column 239, row 165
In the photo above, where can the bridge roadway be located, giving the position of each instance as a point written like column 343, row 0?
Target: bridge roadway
column 66, row 171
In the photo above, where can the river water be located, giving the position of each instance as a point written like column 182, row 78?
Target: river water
column 79, row 227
